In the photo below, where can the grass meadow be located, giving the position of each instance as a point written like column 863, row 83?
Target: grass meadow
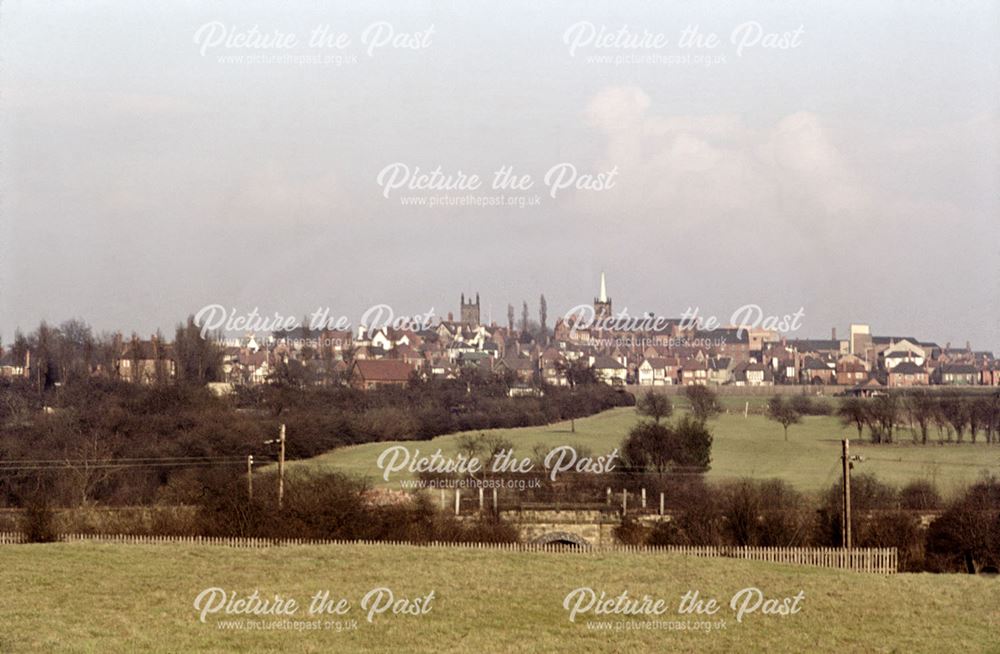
column 751, row 446
column 135, row 598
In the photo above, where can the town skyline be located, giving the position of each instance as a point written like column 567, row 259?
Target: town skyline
column 750, row 315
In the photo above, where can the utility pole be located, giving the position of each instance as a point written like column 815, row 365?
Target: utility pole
column 847, row 493
column 281, row 467
column 250, row 476
column 281, row 464
column 572, row 394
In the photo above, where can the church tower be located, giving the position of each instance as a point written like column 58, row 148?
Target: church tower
column 470, row 311
column 602, row 303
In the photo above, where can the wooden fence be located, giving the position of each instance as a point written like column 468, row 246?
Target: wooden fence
column 875, row 560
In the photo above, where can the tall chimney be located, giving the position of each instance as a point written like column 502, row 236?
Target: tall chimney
column 833, row 333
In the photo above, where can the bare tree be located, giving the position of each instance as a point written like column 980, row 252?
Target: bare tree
column 704, row 402
column 882, row 416
column 783, row 413
column 88, row 466
column 852, row 412
column 921, row 408
column 955, row 414
column 655, row 405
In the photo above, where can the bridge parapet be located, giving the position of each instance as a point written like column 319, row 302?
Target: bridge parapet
column 560, row 515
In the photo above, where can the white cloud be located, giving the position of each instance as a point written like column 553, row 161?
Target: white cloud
column 703, row 165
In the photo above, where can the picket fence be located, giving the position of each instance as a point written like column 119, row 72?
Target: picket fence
column 875, row 560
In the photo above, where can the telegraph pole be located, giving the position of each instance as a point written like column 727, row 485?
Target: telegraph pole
column 250, row 476
column 281, row 463
column 847, row 493
column 281, row 467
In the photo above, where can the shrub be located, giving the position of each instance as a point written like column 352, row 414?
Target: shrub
column 920, row 495
column 659, row 447
column 867, row 494
column 655, row 405
column 704, row 402
column 630, row 532
column 808, row 406
column 967, row 535
column 764, row 513
column 38, row 522
column 695, row 512
column 332, row 505
column 895, row 528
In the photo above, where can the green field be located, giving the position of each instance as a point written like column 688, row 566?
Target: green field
column 743, row 447
column 131, row 598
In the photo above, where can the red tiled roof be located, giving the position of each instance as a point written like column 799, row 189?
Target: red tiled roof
column 384, row 370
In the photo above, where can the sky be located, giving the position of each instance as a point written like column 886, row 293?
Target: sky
column 841, row 158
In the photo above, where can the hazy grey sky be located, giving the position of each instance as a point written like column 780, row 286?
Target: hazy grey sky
column 856, row 175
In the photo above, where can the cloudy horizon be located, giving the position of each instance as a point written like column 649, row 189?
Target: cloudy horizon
column 853, row 173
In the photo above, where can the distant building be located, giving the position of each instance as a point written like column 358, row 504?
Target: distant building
column 470, row 312
column 861, row 338
column 522, row 368
column 11, row 366
column 653, row 371
column 602, row 303
column 694, row 371
column 873, row 386
column 957, row 374
column 720, row 370
column 367, row 374
column 907, row 373
column 818, row 371
column 610, row 370
column 851, row 370
column 902, row 351
column 753, row 374
column 990, row 374
column 146, row 362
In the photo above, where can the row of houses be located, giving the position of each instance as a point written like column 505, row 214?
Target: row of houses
column 446, row 351
column 676, row 353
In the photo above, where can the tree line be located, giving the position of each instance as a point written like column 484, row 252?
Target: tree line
column 89, row 420
column 950, row 415
column 963, row 535
column 71, row 352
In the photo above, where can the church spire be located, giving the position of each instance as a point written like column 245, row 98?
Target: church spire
column 603, row 297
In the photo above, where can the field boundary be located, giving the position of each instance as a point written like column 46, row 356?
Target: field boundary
column 874, row 560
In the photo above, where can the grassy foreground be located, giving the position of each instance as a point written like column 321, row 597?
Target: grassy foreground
column 743, row 447
column 118, row 598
